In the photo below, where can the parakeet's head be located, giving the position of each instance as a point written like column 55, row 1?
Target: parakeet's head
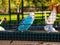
column 31, row 14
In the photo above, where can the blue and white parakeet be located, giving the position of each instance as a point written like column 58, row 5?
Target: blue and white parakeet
column 26, row 22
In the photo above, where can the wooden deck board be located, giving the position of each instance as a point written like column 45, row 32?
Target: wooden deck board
column 16, row 42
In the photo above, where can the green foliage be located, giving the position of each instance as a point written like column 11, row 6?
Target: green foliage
column 38, row 18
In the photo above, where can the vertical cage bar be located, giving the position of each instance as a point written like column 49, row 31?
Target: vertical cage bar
column 42, row 9
column 9, row 14
column 22, row 9
column 18, row 13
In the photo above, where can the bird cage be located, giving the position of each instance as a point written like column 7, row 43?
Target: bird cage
column 15, row 16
